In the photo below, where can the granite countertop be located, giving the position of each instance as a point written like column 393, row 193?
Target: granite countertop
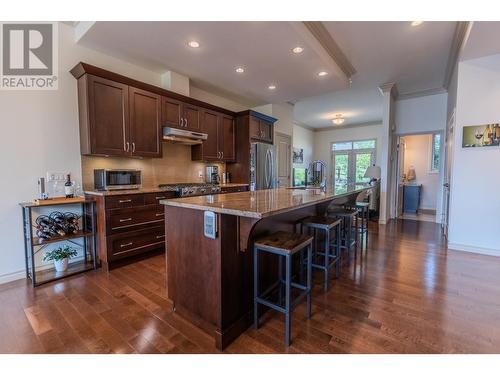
column 107, row 193
column 261, row 203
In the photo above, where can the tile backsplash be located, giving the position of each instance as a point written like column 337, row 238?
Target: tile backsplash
column 175, row 166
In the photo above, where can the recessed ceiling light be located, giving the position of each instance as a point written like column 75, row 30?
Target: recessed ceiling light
column 297, row 50
column 272, row 87
column 322, row 73
column 417, row 23
column 193, row 44
column 239, row 69
column 338, row 120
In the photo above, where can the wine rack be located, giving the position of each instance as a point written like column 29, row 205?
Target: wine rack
column 59, row 226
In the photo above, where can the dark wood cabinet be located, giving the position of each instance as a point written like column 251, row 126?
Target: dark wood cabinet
column 129, row 225
column 227, row 137
column 120, row 116
column 118, row 120
column 171, row 112
column 144, row 123
column 179, row 115
column 260, row 130
column 104, row 114
column 250, row 127
column 220, row 144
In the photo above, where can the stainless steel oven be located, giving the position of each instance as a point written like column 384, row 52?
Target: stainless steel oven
column 117, row 179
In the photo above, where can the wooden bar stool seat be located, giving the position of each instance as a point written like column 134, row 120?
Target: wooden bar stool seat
column 285, row 245
column 324, row 259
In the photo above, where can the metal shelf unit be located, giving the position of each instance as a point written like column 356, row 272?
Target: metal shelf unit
column 33, row 244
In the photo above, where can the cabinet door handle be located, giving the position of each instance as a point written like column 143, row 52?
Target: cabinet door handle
column 158, row 198
column 124, row 220
column 160, row 214
column 133, row 146
column 158, row 237
column 222, row 155
column 125, row 201
column 127, row 244
column 127, row 148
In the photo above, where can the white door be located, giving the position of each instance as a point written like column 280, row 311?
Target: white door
column 450, row 137
column 284, row 156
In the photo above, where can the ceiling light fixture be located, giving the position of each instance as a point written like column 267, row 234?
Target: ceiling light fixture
column 193, row 44
column 272, row 87
column 297, row 50
column 322, row 73
column 338, row 120
column 417, row 23
column 239, row 70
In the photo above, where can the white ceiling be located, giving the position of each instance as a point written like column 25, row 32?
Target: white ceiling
column 480, row 43
column 262, row 48
column 413, row 57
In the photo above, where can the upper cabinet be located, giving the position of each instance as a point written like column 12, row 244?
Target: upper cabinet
column 177, row 114
column 118, row 120
column 261, row 130
column 120, row 116
column 220, row 144
column 144, row 123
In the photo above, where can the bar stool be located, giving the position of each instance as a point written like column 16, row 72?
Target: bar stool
column 364, row 216
column 285, row 245
column 329, row 259
column 349, row 237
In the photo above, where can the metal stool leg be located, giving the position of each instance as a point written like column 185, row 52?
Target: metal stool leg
column 255, row 288
column 309, row 280
column 327, row 258
column 338, row 253
column 280, row 279
column 288, row 282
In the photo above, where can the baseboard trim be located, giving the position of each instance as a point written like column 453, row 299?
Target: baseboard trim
column 8, row 277
column 474, row 249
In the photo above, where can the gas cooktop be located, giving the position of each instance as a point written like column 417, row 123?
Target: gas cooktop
column 191, row 189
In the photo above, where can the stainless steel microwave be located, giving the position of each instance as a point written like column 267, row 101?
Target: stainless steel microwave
column 117, row 179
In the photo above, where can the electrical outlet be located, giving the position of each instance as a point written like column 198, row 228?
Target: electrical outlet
column 56, row 176
column 200, row 174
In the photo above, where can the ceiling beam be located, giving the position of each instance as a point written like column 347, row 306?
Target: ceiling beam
column 462, row 31
column 321, row 34
column 417, row 94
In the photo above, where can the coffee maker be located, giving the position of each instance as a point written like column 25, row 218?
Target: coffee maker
column 212, row 174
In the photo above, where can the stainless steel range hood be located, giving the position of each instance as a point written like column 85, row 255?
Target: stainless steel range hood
column 184, row 137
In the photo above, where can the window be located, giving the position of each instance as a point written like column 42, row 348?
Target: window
column 350, row 161
column 435, row 152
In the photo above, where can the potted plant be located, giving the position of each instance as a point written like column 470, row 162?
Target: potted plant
column 60, row 256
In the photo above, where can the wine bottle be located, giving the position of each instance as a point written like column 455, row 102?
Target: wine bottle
column 69, row 191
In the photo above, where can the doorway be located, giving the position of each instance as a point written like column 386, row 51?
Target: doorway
column 419, row 177
column 284, row 156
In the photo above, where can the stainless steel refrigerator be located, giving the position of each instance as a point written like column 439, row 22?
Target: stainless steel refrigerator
column 263, row 168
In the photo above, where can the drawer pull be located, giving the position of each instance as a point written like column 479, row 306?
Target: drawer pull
column 125, row 201
column 158, row 237
column 123, row 220
column 127, row 244
column 158, row 198
column 160, row 214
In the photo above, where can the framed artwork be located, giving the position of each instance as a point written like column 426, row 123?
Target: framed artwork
column 298, row 155
column 481, row 136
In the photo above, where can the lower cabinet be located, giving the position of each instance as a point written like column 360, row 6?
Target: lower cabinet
column 129, row 225
column 233, row 189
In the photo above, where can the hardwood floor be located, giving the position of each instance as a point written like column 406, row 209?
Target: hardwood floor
column 405, row 294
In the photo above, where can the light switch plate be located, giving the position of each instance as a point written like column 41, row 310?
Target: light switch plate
column 210, row 224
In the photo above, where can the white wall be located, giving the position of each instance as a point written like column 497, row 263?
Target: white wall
column 324, row 139
column 421, row 114
column 304, row 138
column 475, row 201
column 418, row 154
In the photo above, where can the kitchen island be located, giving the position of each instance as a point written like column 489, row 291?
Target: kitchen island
column 209, row 280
